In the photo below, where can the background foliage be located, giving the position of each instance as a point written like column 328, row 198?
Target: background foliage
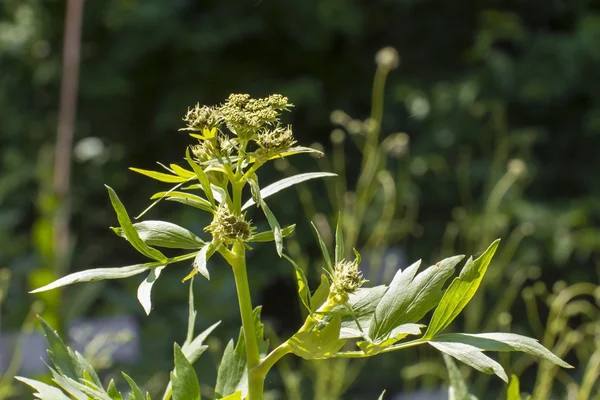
column 481, row 84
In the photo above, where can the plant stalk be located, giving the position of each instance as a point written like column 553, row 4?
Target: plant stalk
column 255, row 380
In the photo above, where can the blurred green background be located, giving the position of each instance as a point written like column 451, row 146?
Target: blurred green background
column 499, row 102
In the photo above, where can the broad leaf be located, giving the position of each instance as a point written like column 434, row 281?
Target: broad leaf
column 269, row 236
column 318, row 343
column 97, row 274
column 183, row 378
column 460, row 292
column 303, row 291
column 44, row 391
column 164, row 234
column 145, row 289
column 409, row 298
column 130, row 232
column 233, row 374
column 503, row 342
column 361, row 305
column 202, row 177
column 285, row 183
column 136, row 393
column 472, row 356
column 160, row 176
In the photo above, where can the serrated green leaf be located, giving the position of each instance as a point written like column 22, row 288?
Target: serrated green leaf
column 112, row 391
column 233, row 374
column 514, row 390
column 183, row 378
column 323, row 247
column 159, row 176
column 44, row 391
column 194, row 349
column 268, row 236
column 145, row 288
column 97, row 274
column 132, row 236
column 202, row 177
column 285, row 183
column 318, row 343
column 409, row 298
column 460, row 292
column 499, row 341
column 472, row 356
column 164, row 234
column 136, row 393
column 339, row 241
column 303, row 291
column 458, row 389
column 321, row 294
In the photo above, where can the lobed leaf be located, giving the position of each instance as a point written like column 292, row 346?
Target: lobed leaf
column 372, row 348
column 130, row 232
column 164, row 234
column 409, row 298
column 285, row 183
column 97, row 274
column 460, row 292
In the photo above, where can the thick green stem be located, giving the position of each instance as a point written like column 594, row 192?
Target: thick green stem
column 255, row 381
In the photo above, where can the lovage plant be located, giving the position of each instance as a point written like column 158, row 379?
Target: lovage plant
column 345, row 319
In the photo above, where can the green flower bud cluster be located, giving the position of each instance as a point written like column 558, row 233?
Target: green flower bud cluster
column 273, row 141
column 346, row 278
column 227, row 227
column 242, row 113
column 202, row 117
column 220, row 146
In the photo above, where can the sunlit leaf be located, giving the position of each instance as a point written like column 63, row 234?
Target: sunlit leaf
column 44, row 391
column 182, row 172
column 202, row 177
column 339, row 241
column 460, row 292
column 132, row 236
column 164, row 234
column 323, row 249
column 320, row 295
column 136, row 393
column 514, row 391
column 472, row 356
column 185, row 198
column 160, row 176
column 318, row 343
column 98, row 274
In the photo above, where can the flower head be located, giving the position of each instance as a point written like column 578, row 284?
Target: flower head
column 243, row 113
column 276, row 140
column 227, row 227
column 346, row 278
column 202, row 117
